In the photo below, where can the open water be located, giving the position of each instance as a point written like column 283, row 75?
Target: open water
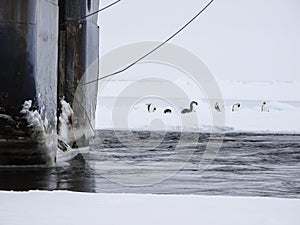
column 247, row 164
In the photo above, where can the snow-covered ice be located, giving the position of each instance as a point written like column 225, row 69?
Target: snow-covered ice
column 63, row 207
column 282, row 98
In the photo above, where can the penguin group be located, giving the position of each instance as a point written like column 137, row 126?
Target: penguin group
column 152, row 108
column 236, row 107
column 218, row 107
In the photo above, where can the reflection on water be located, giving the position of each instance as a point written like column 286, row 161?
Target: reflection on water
column 76, row 175
column 247, row 165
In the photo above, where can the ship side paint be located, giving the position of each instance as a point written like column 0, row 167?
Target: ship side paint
column 28, row 65
column 17, row 55
column 79, row 43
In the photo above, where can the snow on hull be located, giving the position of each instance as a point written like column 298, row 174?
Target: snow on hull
column 65, row 127
column 27, row 140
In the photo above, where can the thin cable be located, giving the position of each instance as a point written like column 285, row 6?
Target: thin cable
column 153, row 50
column 108, row 6
column 86, row 16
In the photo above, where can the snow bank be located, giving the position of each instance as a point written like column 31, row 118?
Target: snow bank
column 282, row 99
column 62, row 207
column 282, row 117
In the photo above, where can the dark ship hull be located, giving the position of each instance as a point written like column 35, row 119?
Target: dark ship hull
column 45, row 53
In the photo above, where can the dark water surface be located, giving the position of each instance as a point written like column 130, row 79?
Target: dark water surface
column 247, row 165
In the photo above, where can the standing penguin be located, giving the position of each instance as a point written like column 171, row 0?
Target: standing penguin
column 264, row 107
column 219, row 107
column 236, row 107
column 151, row 108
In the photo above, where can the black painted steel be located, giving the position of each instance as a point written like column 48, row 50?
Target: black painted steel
column 40, row 61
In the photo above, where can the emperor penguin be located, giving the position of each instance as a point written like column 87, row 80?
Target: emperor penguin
column 151, row 108
column 219, row 107
column 191, row 109
column 167, row 111
column 264, row 107
column 236, row 107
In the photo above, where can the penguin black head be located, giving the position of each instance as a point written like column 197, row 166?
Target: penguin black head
column 194, row 102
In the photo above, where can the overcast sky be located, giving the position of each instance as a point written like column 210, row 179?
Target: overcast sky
column 237, row 39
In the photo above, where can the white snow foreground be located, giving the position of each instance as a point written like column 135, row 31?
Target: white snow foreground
column 62, row 207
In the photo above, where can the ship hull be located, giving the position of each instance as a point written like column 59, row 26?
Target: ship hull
column 79, row 44
column 39, row 64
